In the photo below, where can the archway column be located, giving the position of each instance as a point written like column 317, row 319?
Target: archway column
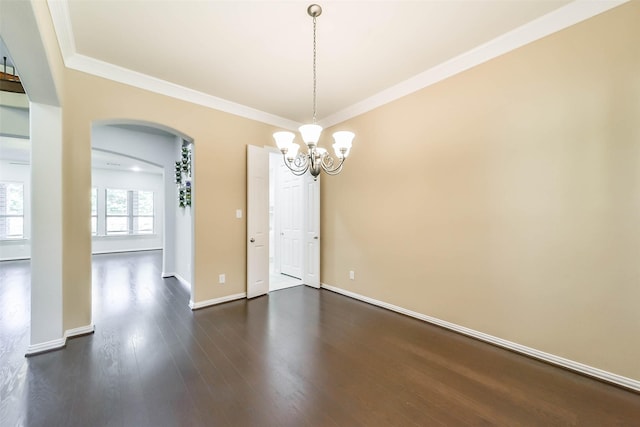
column 46, row 229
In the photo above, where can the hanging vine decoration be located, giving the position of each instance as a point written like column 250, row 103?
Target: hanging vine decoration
column 183, row 177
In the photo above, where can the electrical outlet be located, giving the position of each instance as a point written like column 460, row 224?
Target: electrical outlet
column 352, row 275
column 221, row 278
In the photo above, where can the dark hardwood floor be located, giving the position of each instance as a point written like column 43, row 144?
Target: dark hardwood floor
column 298, row 357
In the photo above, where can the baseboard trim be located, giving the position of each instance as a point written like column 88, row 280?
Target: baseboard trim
column 78, row 332
column 590, row 371
column 45, row 347
column 165, row 275
column 182, row 281
column 287, row 286
column 19, row 258
column 216, row 301
column 124, row 251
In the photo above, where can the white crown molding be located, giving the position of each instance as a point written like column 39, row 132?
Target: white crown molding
column 571, row 14
column 59, row 10
column 64, row 32
column 532, row 352
column 216, row 301
column 566, row 16
column 162, row 87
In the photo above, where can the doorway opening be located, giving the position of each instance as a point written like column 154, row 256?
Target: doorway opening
column 261, row 231
column 137, row 207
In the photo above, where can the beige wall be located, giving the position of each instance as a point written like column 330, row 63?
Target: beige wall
column 506, row 199
column 220, row 141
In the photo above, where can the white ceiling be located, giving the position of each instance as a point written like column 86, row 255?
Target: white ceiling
column 113, row 161
column 18, row 151
column 255, row 57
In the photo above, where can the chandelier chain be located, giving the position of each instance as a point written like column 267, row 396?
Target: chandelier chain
column 314, row 70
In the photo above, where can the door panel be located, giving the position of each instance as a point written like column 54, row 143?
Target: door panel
column 311, row 225
column 257, row 221
column 291, row 219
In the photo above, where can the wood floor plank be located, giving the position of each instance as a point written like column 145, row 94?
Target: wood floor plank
column 297, row 357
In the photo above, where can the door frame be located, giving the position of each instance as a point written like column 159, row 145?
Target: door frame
column 271, row 149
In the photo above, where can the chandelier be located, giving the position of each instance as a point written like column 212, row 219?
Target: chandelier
column 316, row 159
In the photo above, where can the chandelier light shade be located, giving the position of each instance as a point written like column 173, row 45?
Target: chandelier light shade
column 315, row 159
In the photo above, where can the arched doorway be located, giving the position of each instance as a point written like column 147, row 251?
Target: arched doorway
column 159, row 147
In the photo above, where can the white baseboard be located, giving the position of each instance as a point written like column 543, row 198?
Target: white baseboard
column 216, row 301
column 182, row 281
column 19, row 258
column 165, row 275
column 76, row 332
column 285, row 286
column 532, row 352
column 123, row 251
column 45, row 347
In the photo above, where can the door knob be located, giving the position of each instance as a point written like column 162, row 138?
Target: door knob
column 315, row 237
column 252, row 240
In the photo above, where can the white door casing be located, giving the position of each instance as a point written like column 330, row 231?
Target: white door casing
column 257, row 221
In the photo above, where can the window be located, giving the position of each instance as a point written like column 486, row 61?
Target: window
column 11, row 210
column 129, row 212
column 94, row 211
column 142, row 202
column 117, row 212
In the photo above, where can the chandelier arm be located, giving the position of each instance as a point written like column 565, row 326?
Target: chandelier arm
column 335, row 171
column 332, row 171
column 298, row 169
column 327, row 161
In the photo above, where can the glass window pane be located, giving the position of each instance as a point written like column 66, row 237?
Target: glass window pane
column 116, row 202
column 144, row 205
column 117, row 225
column 143, row 225
column 94, row 225
column 94, row 201
column 11, row 198
column 14, row 228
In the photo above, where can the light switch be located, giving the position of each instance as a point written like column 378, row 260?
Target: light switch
column 238, row 213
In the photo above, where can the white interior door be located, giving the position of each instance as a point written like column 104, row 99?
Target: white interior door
column 257, row 221
column 311, row 224
column 290, row 213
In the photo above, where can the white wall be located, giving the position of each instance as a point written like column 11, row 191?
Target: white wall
column 15, row 121
column 17, row 249
column 184, row 234
column 124, row 180
column 46, row 228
